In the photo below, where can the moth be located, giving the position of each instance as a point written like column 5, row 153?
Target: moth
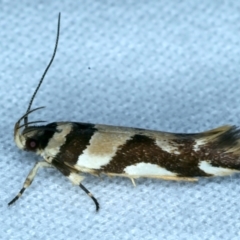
column 75, row 148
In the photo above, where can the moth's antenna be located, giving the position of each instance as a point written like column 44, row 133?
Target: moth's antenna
column 45, row 72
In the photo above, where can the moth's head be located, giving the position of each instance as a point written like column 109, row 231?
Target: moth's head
column 32, row 138
column 27, row 138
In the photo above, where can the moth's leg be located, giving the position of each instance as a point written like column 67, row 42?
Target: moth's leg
column 77, row 179
column 90, row 195
column 30, row 178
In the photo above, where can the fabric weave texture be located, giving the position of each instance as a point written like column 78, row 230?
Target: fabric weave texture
column 164, row 65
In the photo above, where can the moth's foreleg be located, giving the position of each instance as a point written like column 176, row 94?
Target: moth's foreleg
column 30, row 178
column 77, row 179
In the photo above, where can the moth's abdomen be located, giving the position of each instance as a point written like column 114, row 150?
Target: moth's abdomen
column 136, row 152
column 181, row 159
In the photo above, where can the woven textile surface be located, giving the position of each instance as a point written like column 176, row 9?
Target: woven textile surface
column 165, row 65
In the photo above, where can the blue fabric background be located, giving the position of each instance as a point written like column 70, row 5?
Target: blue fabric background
column 165, row 65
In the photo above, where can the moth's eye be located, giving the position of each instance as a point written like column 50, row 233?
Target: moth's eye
column 31, row 144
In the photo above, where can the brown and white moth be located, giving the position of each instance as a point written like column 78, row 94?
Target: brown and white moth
column 74, row 148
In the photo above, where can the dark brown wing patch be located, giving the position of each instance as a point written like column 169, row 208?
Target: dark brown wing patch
column 76, row 142
column 144, row 149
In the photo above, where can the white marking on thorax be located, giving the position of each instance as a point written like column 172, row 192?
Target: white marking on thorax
column 145, row 169
column 56, row 141
column 217, row 171
column 103, row 146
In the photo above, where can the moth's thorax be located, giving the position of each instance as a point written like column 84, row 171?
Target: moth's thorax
column 57, row 140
